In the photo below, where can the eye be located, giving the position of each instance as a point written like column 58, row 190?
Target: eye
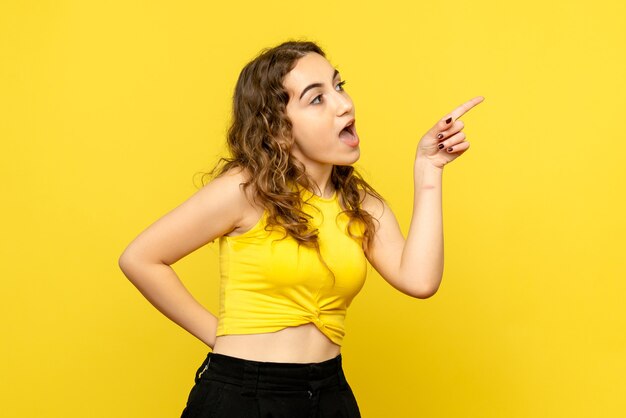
column 319, row 96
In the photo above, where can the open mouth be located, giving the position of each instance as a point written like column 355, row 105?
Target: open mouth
column 348, row 134
column 348, row 130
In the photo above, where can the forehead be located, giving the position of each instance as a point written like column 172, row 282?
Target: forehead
column 311, row 68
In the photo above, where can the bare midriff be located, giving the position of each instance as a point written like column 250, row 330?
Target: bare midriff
column 301, row 344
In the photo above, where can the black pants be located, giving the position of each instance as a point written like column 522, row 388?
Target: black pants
column 228, row 387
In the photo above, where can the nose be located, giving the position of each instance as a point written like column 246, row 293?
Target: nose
column 344, row 103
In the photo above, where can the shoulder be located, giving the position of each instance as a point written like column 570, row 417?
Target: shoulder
column 227, row 185
column 372, row 204
column 242, row 200
column 230, row 185
column 232, row 177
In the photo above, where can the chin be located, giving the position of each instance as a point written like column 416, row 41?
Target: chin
column 353, row 158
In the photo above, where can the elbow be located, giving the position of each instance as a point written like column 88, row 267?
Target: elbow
column 131, row 268
column 422, row 294
column 126, row 263
column 122, row 263
column 424, row 291
column 134, row 266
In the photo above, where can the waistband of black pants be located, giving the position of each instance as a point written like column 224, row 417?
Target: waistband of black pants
column 253, row 375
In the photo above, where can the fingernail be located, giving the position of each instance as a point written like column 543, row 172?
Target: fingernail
column 440, row 146
column 450, row 149
column 439, row 136
column 449, row 120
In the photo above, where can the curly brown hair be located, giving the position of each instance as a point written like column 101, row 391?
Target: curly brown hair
column 260, row 140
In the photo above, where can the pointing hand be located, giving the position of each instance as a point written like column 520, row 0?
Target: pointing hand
column 444, row 142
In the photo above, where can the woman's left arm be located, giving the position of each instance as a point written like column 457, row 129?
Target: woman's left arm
column 415, row 265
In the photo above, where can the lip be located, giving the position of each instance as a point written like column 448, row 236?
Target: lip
column 352, row 128
column 351, row 121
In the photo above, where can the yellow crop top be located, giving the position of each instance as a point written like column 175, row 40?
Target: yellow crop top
column 266, row 286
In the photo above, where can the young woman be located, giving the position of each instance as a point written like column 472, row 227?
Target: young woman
column 296, row 226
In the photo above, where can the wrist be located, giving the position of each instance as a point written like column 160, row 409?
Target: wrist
column 423, row 163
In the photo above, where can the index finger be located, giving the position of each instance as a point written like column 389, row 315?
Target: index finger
column 464, row 108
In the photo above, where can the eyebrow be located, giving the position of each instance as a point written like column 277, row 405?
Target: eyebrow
column 311, row 86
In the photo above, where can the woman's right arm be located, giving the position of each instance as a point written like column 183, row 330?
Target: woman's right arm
column 211, row 212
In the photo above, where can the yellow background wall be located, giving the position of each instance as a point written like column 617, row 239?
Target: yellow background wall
column 108, row 109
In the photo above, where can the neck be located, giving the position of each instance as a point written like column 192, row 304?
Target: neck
column 321, row 180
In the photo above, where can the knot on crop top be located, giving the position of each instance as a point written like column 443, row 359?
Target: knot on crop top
column 267, row 284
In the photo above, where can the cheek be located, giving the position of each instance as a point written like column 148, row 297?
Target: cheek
column 313, row 137
column 309, row 136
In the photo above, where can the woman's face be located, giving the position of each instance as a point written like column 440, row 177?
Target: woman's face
column 318, row 114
